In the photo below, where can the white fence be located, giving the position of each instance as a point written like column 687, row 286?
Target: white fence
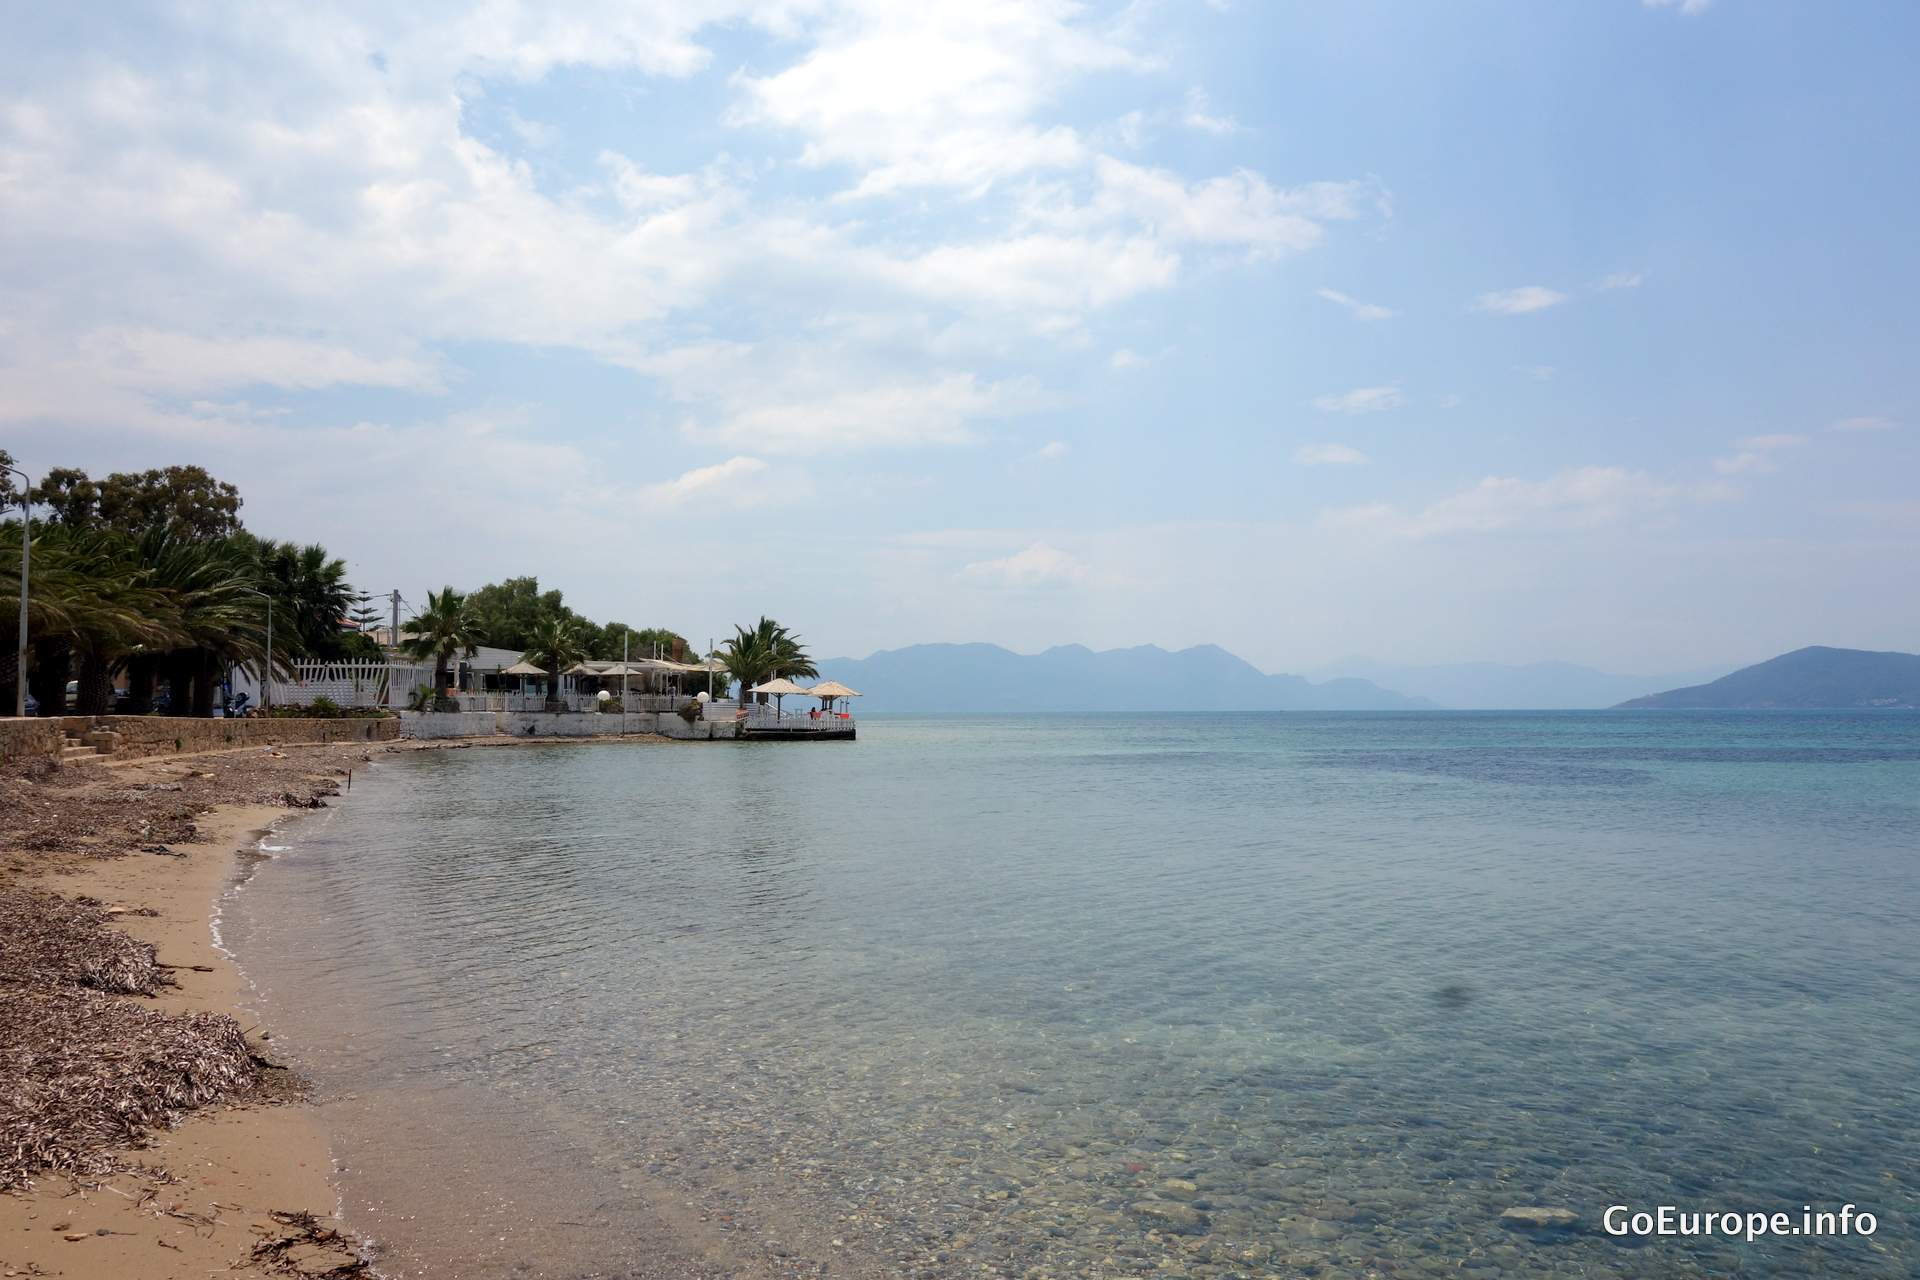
column 349, row 684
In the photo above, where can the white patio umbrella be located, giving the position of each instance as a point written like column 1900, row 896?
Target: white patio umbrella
column 779, row 688
column 828, row 690
column 522, row 669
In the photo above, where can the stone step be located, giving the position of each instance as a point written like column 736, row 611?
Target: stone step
column 76, row 753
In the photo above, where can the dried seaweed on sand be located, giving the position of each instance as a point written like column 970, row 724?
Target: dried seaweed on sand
column 309, row 1249
column 51, row 939
column 82, row 1072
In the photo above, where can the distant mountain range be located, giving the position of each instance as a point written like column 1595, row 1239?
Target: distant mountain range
column 1815, row 678
column 985, row 677
column 1492, row 686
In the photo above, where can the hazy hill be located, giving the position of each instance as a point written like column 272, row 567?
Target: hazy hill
column 985, row 677
column 1815, row 678
column 1536, row 686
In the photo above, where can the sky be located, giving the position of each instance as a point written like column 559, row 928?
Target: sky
column 1433, row 333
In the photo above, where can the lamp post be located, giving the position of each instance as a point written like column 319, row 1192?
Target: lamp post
column 26, row 560
column 266, row 668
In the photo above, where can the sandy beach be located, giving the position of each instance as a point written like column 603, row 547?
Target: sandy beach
column 241, row 1183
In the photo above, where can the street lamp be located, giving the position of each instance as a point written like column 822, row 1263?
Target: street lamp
column 266, row 668
column 26, row 559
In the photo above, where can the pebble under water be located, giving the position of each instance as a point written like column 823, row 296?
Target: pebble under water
column 1256, row 995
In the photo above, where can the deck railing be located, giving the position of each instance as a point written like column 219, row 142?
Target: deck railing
column 794, row 721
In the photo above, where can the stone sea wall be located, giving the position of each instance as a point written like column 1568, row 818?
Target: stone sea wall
column 31, row 736
column 126, row 736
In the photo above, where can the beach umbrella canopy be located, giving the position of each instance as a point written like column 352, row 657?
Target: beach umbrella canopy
column 777, row 687
column 833, row 689
column 524, row 668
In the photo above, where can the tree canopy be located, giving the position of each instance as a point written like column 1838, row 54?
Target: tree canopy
column 764, row 652
column 150, row 573
column 186, row 500
column 511, row 613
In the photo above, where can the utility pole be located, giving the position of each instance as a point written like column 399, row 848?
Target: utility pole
column 393, row 634
column 626, row 651
column 26, row 559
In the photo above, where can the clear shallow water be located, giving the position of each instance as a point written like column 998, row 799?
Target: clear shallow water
column 951, row 999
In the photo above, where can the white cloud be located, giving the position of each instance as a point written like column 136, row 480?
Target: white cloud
column 1328, row 455
column 1688, row 7
column 640, row 192
column 1862, row 424
column 1360, row 400
column 1130, row 130
column 1039, row 565
column 1237, row 211
column 1126, row 358
column 801, row 398
column 1199, row 115
column 1747, row 462
column 1052, row 451
column 1043, row 274
column 738, row 482
column 1518, row 302
column 1578, row 498
column 1622, row 280
column 535, row 134
column 1755, row 456
column 183, row 362
column 1450, row 400
column 305, row 206
column 1539, row 372
column 936, row 94
column 1358, row 309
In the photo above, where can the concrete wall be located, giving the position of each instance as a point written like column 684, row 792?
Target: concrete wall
column 446, row 724
column 564, row 724
column 167, row 735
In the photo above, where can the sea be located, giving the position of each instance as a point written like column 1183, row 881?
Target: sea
column 1321, row 995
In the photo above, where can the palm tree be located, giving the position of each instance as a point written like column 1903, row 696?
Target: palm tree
column 445, row 627
column 311, row 589
column 766, row 652
column 88, row 598
column 221, row 622
column 746, row 659
column 556, row 646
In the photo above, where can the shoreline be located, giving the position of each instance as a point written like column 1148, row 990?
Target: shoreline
column 241, row 1176
column 248, row 1181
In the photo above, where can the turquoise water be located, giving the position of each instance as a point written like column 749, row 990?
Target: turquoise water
column 956, row 998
